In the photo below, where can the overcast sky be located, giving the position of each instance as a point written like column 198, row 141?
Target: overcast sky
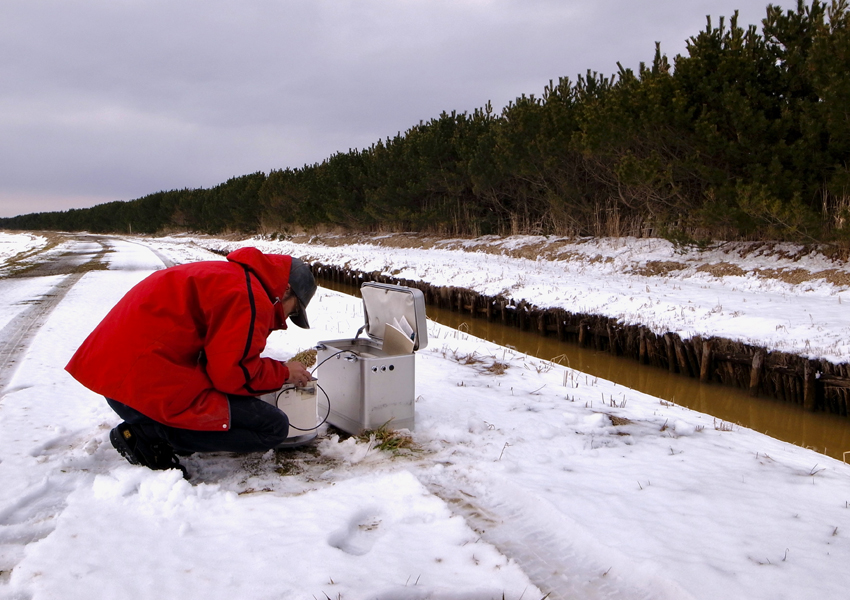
column 105, row 100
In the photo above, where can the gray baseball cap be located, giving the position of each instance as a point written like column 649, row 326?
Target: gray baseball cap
column 303, row 286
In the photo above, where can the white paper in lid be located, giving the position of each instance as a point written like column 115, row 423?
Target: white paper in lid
column 392, row 308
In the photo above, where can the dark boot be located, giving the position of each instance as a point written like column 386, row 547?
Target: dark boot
column 139, row 449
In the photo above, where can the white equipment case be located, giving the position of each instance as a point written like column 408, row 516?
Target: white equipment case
column 369, row 382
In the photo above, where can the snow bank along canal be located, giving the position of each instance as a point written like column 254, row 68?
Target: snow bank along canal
column 790, row 422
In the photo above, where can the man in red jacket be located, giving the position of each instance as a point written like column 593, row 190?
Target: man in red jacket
column 178, row 358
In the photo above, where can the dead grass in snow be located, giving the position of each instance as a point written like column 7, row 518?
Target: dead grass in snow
column 659, row 268
column 567, row 249
column 722, row 269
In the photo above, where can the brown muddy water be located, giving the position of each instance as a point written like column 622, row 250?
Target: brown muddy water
column 825, row 433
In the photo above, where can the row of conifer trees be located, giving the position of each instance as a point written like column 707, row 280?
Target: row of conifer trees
column 745, row 136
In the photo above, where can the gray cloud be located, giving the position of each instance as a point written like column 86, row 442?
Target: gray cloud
column 113, row 99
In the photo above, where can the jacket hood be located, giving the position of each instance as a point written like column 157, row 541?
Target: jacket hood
column 271, row 269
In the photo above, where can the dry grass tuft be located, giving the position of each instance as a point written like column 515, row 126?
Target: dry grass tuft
column 471, row 358
column 389, row 440
column 306, row 357
column 497, row 368
column 722, row 426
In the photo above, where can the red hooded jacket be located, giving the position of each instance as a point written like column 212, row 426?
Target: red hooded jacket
column 183, row 338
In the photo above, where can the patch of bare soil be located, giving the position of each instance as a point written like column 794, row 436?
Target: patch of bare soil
column 659, row 268
column 722, row 269
column 798, row 276
column 835, row 277
column 74, row 261
column 792, row 276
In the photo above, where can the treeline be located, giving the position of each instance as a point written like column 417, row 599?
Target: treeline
column 746, row 136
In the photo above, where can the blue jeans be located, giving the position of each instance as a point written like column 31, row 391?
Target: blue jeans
column 255, row 426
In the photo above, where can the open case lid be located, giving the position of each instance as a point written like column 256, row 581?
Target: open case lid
column 385, row 303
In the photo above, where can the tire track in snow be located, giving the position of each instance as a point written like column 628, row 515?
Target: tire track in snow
column 165, row 260
column 32, row 515
column 554, row 551
column 16, row 336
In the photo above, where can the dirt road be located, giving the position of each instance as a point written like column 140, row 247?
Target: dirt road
column 60, row 264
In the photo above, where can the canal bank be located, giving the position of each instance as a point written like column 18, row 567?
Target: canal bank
column 770, row 397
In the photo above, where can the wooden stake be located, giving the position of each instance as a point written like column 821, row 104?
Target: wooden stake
column 755, row 373
column 809, row 386
column 582, row 333
column 681, row 356
column 612, row 340
column 705, row 363
column 671, row 353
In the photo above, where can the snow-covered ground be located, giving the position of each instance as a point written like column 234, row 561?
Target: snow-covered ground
column 16, row 243
column 527, row 478
column 13, row 245
column 777, row 296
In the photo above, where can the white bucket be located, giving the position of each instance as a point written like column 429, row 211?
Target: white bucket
column 299, row 404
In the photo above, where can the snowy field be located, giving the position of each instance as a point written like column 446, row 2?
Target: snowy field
column 526, row 478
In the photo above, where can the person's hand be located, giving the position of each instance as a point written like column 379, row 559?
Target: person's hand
column 298, row 373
